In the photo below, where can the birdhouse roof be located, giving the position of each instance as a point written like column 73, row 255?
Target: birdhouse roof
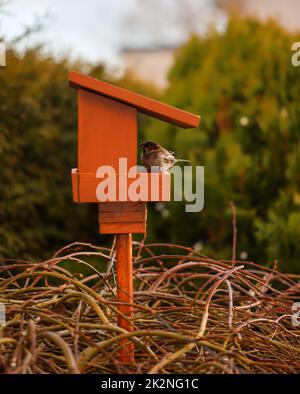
column 143, row 104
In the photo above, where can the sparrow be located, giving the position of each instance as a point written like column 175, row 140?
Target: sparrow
column 154, row 157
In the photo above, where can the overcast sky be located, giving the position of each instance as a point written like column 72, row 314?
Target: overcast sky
column 92, row 29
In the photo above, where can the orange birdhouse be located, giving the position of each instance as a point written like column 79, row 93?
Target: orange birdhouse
column 107, row 140
column 107, row 173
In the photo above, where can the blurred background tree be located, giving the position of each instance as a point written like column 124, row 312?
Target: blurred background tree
column 38, row 142
column 242, row 83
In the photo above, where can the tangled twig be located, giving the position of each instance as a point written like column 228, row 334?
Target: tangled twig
column 192, row 314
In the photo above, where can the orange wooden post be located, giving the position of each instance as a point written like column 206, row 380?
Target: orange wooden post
column 125, row 292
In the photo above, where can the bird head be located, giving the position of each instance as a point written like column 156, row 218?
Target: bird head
column 149, row 146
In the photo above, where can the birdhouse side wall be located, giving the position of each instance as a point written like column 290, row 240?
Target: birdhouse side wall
column 107, row 131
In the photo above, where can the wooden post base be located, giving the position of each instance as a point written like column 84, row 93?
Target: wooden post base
column 123, row 219
column 125, row 291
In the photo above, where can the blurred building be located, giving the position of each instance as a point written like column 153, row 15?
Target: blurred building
column 152, row 64
column 287, row 12
column 149, row 64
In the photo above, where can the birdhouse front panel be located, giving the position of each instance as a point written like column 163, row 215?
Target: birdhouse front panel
column 107, row 131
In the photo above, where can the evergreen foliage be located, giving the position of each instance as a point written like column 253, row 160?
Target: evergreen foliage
column 243, row 84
